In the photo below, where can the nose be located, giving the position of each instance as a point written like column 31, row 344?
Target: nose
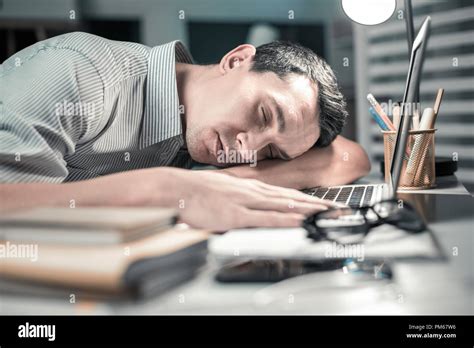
column 249, row 141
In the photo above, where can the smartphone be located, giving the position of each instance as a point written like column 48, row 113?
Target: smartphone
column 261, row 270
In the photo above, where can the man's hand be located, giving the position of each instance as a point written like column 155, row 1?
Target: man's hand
column 219, row 202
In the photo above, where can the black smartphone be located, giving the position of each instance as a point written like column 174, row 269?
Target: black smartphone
column 261, row 270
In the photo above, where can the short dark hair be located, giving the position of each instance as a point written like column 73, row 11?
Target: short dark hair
column 284, row 58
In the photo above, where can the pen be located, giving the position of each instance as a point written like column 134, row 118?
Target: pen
column 380, row 111
column 378, row 119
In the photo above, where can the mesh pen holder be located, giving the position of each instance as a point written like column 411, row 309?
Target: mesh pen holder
column 418, row 168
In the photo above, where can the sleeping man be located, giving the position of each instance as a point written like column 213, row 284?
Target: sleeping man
column 98, row 122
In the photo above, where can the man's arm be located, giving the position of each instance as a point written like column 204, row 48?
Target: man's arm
column 204, row 199
column 340, row 163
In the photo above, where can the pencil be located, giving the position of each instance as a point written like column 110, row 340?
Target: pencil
column 416, row 119
column 396, row 116
column 437, row 104
column 380, row 111
column 377, row 119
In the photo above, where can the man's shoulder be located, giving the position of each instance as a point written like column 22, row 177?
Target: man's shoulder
column 113, row 59
column 76, row 38
column 86, row 42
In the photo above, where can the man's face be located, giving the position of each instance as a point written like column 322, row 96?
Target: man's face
column 252, row 114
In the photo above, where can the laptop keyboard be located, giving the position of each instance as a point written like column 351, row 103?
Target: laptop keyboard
column 356, row 196
column 368, row 195
column 353, row 196
column 332, row 194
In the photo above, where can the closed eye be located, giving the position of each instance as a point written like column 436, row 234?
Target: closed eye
column 266, row 122
column 265, row 118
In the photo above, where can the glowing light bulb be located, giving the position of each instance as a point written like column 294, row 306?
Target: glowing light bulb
column 369, row 12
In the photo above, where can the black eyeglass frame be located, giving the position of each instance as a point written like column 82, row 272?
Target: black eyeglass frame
column 319, row 233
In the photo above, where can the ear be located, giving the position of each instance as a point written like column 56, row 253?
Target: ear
column 239, row 56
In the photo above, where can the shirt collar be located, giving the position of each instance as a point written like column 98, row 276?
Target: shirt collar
column 161, row 118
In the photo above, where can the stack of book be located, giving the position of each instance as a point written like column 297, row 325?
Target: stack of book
column 97, row 252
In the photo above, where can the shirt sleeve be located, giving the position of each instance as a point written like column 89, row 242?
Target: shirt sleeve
column 50, row 99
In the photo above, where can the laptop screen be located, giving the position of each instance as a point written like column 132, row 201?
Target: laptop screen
column 409, row 100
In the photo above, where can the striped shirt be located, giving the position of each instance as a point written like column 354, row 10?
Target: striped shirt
column 78, row 106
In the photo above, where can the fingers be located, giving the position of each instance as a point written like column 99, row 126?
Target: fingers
column 286, row 205
column 261, row 218
column 276, row 191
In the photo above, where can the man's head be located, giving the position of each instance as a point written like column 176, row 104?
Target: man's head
column 279, row 100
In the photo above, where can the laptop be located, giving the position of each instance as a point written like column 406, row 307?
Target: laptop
column 362, row 195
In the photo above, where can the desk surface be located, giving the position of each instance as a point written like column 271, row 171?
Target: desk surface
column 419, row 287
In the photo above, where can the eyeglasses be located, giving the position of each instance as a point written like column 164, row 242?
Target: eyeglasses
column 348, row 225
